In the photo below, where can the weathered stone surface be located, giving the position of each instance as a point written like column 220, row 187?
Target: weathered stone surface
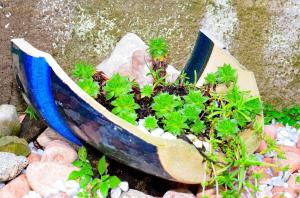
column 9, row 120
column 17, row 188
column 11, row 165
column 134, row 194
column 34, row 157
column 31, row 128
column 42, row 176
column 13, row 144
column 59, row 151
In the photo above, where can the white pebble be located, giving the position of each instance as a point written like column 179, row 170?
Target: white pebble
column 191, row 137
column 72, row 192
column 157, row 132
column 143, row 128
column 287, row 195
column 115, row 193
column 168, row 136
column 72, row 184
column 2, row 185
column 198, row 143
column 286, row 142
column 141, row 122
column 33, row 194
column 124, row 186
column 52, row 191
column 259, row 157
column 39, row 151
column 283, row 133
column 31, row 145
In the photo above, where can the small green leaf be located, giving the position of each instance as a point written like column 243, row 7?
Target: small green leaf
column 198, row 127
column 114, row 181
column 117, row 86
column 82, row 154
column 175, row 123
column 102, row 165
column 150, row 122
column 83, row 70
column 74, row 175
column 147, row 91
column 104, row 187
column 211, row 78
column 84, row 180
column 227, row 128
column 31, row 113
column 77, row 163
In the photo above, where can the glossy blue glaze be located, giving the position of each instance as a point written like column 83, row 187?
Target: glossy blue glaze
column 37, row 74
column 199, row 57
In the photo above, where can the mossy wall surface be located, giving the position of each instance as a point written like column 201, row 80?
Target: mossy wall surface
column 262, row 35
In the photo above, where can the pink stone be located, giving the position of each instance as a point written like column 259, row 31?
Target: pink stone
column 292, row 182
column 48, row 136
column 34, row 157
column 271, row 130
column 42, row 176
column 277, row 192
column 59, row 151
column 174, row 194
column 292, row 159
column 16, row 188
column 262, row 146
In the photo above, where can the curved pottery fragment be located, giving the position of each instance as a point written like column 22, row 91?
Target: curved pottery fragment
column 78, row 117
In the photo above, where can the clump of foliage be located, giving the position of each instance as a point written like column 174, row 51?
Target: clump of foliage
column 89, row 184
column 150, row 122
column 31, row 113
column 83, row 73
column 288, row 115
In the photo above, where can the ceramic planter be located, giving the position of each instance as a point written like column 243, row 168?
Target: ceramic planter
column 79, row 118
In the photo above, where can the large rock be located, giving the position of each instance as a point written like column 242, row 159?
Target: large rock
column 31, row 128
column 134, row 194
column 130, row 58
column 48, row 136
column 11, row 165
column 9, row 120
column 17, row 188
column 42, row 176
column 59, row 151
column 13, row 144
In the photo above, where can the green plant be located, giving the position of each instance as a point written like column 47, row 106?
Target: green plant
column 175, row 123
column 125, row 107
column 290, row 116
column 147, row 91
column 117, row 86
column 211, row 79
column 227, row 128
column 158, row 48
column 89, row 185
column 150, row 122
column 198, row 127
column 83, row 72
column 165, row 103
column 224, row 75
column 196, row 98
column 89, row 86
column 31, row 113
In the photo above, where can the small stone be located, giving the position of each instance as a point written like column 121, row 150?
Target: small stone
column 174, row 194
column 43, row 175
column 48, row 136
column 15, row 188
column 191, row 137
column 11, row 165
column 141, row 122
column 9, row 121
column 168, row 136
column 286, row 142
column 2, row 185
column 13, row 144
column 292, row 160
column 211, row 193
column 115, row 193
column 60, row 152
column 33, row 157
column 124, row 186
column 72, row 192
column 143, row 128
column 32, row 194
column 271, row 130
column 71, row 184
column 259, row 157
column 279, row 192
column 198, row 143
column 157, row 132
column 134, row 194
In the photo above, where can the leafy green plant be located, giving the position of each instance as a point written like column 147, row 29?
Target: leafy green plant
column 175, row 123
column 211, row 79
column 146, row 91
column 89, row 185
column 31, row 113
column 83, row 71
column 224, row 75
column 117, row 86
column 290, row 116
column 89, row 86
column 195, row 98
column 227, row 128
column 158, row 48
column 165, row 103
column 150, row 122
column 125, row 107
column 198, row 127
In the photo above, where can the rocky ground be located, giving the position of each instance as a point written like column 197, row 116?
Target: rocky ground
column 262, row 35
